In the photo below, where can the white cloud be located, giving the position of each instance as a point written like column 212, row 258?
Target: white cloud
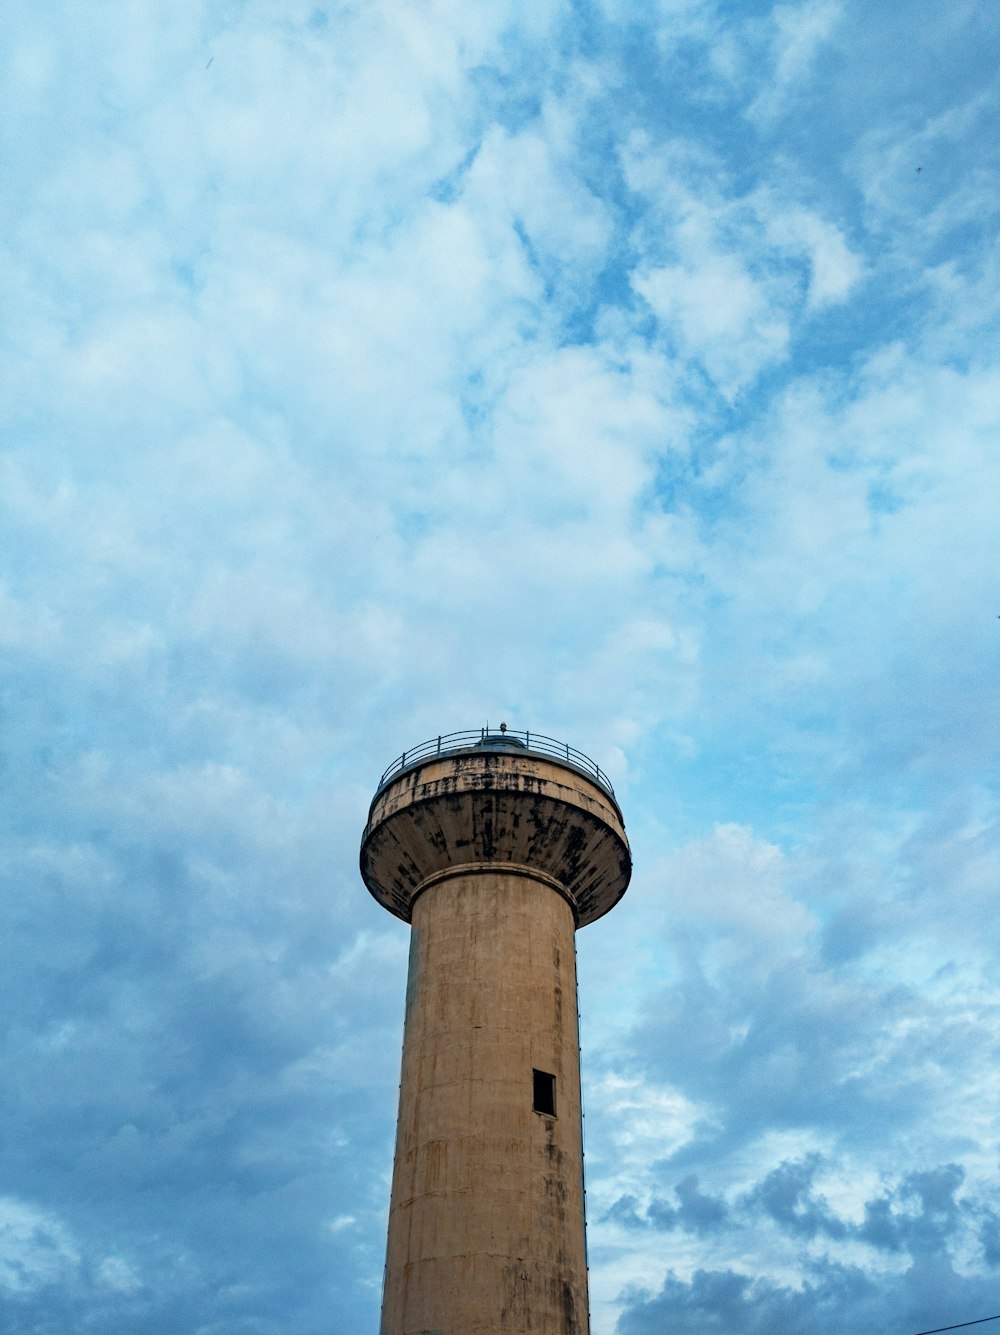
column 36, row 1248
column 735, row 885
column 798, row 34
column 116, row 1274
column 731, row 295
column 834, row 268
column 722, row 316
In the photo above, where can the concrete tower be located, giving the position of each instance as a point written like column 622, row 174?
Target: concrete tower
column 495, row 847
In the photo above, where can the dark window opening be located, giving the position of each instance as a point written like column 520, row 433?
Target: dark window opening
column 543, row 1093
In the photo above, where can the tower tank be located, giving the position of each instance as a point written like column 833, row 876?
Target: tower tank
column 495, row 847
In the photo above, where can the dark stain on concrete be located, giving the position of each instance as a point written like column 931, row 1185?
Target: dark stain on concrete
column 569, row 1322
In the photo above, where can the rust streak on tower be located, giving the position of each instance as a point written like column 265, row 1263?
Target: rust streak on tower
column 495, row 847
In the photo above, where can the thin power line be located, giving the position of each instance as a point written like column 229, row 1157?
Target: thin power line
column 961, row 1325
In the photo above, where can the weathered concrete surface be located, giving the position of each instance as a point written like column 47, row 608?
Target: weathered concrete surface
column 495, row 857
column 486, row 1224
column 496, row 807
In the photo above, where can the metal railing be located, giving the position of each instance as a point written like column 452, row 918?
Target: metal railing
column 485, row 738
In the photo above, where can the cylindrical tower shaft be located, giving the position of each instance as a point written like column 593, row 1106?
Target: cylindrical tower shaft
column 486, row 1228
column 495, row 854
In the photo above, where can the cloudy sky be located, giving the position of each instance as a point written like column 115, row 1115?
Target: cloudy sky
column 629, row 372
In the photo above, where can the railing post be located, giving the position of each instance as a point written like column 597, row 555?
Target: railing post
column 439, row 743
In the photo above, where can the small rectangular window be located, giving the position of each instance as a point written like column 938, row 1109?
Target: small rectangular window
column 543, row 1093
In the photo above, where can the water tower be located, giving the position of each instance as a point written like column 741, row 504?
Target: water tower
column 495, row 847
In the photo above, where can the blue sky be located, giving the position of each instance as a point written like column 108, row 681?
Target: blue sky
column 626, row 372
